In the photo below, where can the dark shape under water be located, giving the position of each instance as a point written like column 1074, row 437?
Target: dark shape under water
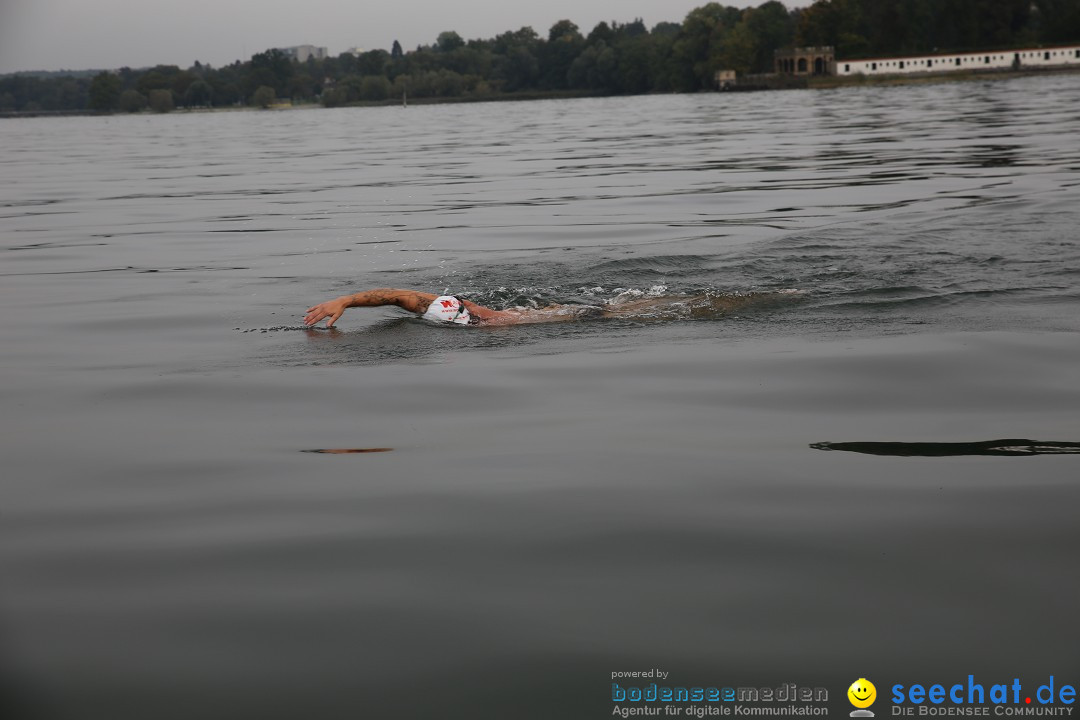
column 934, row 449
column 346, row 451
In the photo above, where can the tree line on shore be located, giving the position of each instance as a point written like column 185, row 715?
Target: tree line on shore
column 611, row 58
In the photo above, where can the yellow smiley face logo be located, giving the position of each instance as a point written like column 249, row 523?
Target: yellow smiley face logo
column 862, row 693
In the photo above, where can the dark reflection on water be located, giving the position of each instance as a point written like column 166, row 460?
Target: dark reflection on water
column 561, row 501
column 1010, row 448
column 347, row 451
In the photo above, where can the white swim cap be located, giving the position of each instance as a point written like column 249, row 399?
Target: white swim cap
column 447, row 308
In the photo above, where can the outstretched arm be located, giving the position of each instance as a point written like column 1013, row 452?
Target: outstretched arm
column 411, row 300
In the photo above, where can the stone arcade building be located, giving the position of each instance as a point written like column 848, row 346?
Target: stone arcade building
column 805, row 61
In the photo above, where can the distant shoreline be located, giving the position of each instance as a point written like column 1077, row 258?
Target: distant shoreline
column 829, row 82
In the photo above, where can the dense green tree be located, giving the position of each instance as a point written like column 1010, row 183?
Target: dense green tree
column 274, row 68
column 180, row 82
column 562, row 29
column 468, row 61
column 696, row 53
column 128, row 76
column 263, row 97
column 345, row 64
column 105, row 92
column 302, row 88
column 1056, row 21
column 516, row 66
column 151, row 80
column 1000, row 21
column 70, row 94
column 840, row 23
column 132, row 101
column 225, row 90
column 563, row 46
column 525, row 37
column 374, row 87
column 635, row 64
column 447, row 83
column 161, row 101
column 595, row 68
column 198, row 94
column 519, row 69
column 739, row 47
column 772, row 27
column 862, row 27
column 260, row 77
column 331, row 67
column 373, row 62
column 334, row 97
column 449, row 41
column 634, row 28
column 602, row 32
column 402, row 86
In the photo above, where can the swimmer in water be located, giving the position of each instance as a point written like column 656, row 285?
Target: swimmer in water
column 450, row 309
column 442, row 308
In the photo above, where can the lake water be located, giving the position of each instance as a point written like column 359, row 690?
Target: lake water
column 555, row 503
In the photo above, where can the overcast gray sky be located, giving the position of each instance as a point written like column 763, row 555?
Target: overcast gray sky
column 86, row 34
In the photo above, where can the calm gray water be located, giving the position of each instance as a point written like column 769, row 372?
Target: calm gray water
column 559, row 502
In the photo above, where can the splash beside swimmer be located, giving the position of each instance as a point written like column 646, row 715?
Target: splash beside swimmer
column 454, row 310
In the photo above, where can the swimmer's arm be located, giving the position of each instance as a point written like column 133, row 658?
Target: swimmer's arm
column 485, row 314
column 411, row 300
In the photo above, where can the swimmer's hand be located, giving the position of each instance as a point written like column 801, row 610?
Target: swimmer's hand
column 331, row 309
